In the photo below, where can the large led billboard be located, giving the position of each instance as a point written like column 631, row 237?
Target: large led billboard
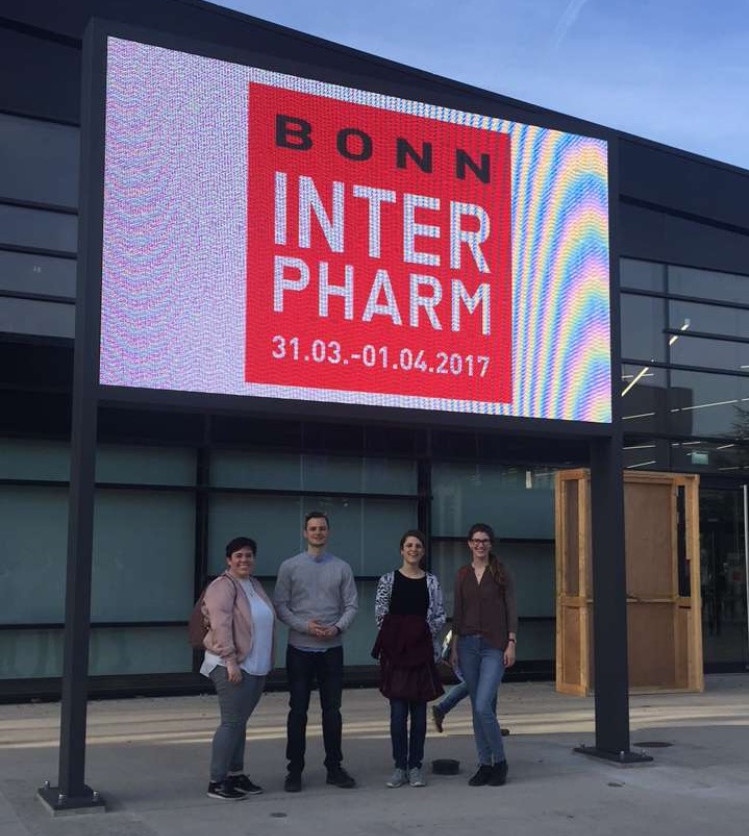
column 272, row 236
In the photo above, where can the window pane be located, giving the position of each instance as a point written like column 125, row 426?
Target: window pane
column 684, row 281
column 24, row 459
column 129, row 650
column 37, row 274
column 33, row 545
column 516, row 502
column 364, row 532
column 644, row 399
column 124, row 650
column 29, row 316
column 290, row 471
column 144, row 556
column 39, row 161
column 728, row 457
column 651, row 454
column 274, row 522
column 643, row 275
column 643, row 319
column 717, row 354
column 145, row 465
column 712, row 319
column 272, row 471
column 708, row 404
column 37, row 228
column 30, row 653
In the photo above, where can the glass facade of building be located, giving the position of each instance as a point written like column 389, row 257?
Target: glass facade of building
column 172, row 488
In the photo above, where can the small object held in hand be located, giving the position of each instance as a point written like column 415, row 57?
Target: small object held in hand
column 446, row 766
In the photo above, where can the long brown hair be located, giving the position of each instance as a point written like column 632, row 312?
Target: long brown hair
column 496, row 567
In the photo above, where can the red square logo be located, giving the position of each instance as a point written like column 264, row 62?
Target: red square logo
column 378, row 252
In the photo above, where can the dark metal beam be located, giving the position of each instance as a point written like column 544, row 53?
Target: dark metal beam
column 71, row 791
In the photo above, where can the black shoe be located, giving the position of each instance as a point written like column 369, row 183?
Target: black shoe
column 340, row 778
column 293, row 782
column 243, row 784
column 498, row 777
column 438, row 715
column 481, row 777
column 224, row 791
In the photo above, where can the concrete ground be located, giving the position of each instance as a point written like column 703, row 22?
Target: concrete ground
column 148, row 758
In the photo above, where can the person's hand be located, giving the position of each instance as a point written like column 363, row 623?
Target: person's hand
column 510, row 655
column 233, row 672
column 314, row 628
column 453, row 657
column 329, row 632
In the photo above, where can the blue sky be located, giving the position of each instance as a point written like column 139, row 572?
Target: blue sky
column 675, row 71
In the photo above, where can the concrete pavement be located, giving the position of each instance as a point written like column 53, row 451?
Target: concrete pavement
column 149, row 758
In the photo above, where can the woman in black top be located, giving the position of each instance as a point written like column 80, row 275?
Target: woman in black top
column 410, row 615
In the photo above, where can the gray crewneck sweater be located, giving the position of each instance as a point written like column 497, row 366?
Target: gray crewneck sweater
column 318, row 589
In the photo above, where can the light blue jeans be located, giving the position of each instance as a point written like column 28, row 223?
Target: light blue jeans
column 483, row 667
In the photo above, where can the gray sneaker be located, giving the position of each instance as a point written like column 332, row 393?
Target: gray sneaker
column 416, row 778
column 397, row 779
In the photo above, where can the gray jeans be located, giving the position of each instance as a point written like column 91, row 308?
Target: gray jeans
column 236, row 701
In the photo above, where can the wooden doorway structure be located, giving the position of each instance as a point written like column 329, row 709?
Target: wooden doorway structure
column 664, row 628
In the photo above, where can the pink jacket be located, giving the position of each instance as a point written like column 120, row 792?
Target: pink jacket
column 228, row 613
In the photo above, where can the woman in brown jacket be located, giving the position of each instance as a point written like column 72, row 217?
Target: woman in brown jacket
column 238, row 656
column 485, row 633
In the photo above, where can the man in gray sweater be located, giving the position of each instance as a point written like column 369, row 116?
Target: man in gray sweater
column 316, row 598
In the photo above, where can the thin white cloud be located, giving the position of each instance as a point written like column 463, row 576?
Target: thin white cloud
column 567, row 21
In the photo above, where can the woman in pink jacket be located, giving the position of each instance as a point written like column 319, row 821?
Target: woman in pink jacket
column 238, row 656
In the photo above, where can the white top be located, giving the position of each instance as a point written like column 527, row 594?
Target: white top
column 258, row 662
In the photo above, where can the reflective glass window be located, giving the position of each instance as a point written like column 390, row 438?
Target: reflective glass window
column 644, row 399
column 34, row 459
column 365, row 532
column 144, row 556
column 643, row 320
column 728, row 457
column 649, row 454
column 516, row 502
column 292, row 471
column 724, row 287
column 708, row 404
column 33, row 538
column 38, row 228
column 716, row 354
column 710, row 319
column 642, row 275
column 39, row 161
column 28, row 273
column 30, row 316
column 145, row 465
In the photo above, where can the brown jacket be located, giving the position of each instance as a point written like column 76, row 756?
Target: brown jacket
column 227, row 611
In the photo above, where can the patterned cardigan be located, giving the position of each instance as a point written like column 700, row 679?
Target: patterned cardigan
column 435, row 609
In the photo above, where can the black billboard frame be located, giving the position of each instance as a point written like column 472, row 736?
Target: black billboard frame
column 609, row 581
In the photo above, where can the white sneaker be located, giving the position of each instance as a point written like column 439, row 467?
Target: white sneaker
column 415, row 777
column 397, row 779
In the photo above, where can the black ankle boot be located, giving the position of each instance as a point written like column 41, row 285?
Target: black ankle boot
column 498, row 777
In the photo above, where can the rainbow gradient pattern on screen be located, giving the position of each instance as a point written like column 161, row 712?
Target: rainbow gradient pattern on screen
column 174, row 271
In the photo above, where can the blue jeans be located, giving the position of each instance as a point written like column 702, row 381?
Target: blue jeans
column 458, row 692
column 483, row 668
column 236, row 702
column 408, row 750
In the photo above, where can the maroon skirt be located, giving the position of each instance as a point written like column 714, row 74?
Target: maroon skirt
column 407, row 668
